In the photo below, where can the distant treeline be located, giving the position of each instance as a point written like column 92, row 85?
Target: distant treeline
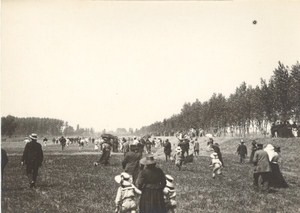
column 273, row 100
column 11, row 125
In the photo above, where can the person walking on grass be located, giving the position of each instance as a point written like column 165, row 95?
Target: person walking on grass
column 262, row 170
column 167, row 149
column 170, row 194
column 106, row 147
column 126, row 195
column 151, row 181
column 178, row 157
column 216, row 149
column 63, row 142
column 216, row 164
column 32, row 158
column 131, row 162
column 242, row 151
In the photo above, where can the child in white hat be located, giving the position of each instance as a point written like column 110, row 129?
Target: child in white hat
column 125, row 199
column 216, row 164
column 170, row 195
column 178, row 157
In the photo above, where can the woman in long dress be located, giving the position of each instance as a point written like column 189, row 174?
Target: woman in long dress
column 277, row 179
column 151, row 181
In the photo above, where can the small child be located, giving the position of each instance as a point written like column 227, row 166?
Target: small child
column 170, row 195
column 125, row 199
column 178, row 157
column 216, row 164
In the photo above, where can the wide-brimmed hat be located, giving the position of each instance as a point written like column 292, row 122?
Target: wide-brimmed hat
column 33, row 136
column 124, row 177
column 169, row 178
column 148, row 160
column 178, row 149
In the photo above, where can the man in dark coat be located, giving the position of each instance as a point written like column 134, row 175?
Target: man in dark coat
column 242, row 151
column 262, row 169
column 167, row 149
column 216, row 149
column 4, row 161
column 62, row 141
column 32, row 158
column 131, row 162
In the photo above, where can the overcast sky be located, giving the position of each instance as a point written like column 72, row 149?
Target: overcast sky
column 109, row 64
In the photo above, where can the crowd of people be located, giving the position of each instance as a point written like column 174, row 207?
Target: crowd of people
column 285, row 130
column 141, row 177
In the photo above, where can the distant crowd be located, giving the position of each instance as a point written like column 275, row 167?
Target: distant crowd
column 285, row 130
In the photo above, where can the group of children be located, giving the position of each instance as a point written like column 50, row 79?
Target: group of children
column 127, row 193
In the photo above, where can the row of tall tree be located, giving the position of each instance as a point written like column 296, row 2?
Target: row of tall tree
column 273, row 100
column 11, row 125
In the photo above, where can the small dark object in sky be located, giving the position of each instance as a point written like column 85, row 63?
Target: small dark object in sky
column 254, row 22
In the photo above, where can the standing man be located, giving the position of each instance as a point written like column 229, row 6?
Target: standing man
column 242, row 151
column 32, row 158
column 167, row 149
column 131, row 162
column 63, row 142
column 262, row 169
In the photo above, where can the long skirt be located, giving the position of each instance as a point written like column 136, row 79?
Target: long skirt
column 104, row 159
column 152, row 201
column 276, row 178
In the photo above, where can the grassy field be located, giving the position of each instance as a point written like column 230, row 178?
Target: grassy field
column 68, row 182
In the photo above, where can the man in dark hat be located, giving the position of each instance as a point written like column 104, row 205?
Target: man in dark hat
column 262, row 169
column 242, row 151
column 32, row 158
column 131, row 161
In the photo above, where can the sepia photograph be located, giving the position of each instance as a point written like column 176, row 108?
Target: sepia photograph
column 154, row 106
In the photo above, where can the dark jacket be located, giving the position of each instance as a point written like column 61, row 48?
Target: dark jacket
column 167, row 148
column 33, row 154
column 242, row 150
column 131, row 162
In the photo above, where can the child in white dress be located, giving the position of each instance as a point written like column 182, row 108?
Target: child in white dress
column 125, row 199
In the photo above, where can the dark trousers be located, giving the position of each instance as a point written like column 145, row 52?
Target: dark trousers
column 32, row 172
column 242, row 158
column 262, row 181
